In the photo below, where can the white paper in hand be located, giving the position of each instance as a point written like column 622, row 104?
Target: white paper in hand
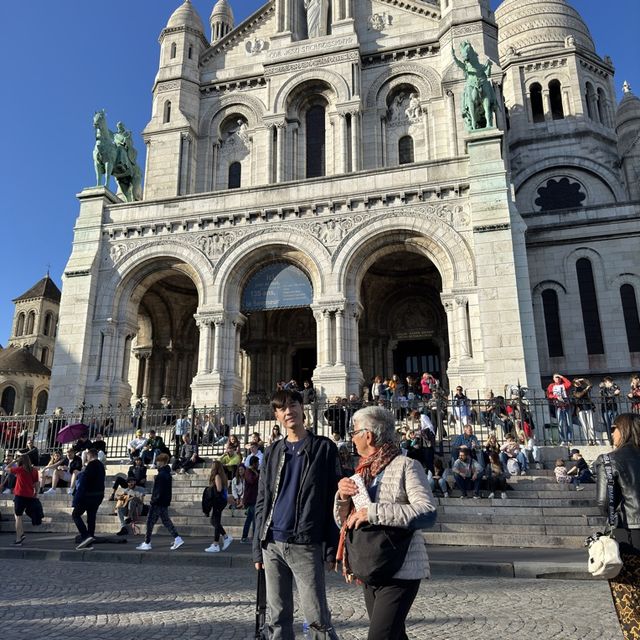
column 361, row 500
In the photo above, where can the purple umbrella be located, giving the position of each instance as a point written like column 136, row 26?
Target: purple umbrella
column 72, row 432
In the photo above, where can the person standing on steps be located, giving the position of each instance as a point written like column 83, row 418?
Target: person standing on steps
column 216, row 503
column 295, row 534
column 89, row 493
column 159, row 508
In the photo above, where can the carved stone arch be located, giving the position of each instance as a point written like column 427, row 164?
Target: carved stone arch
column 427, row 82
column 141, row 263
column 333, row 79
column 548, row 284
column 598, row 171
column 625, row 278
column 429, row 236
column 249, row 106
column 291, row 244
column 597, row 261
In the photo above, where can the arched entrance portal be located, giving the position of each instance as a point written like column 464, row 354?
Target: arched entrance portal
column 163, row 355
column 278, row 340
column 403, row 328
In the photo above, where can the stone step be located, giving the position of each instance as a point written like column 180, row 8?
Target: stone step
column 509, row 529
column 507, row 508
column 497, row 540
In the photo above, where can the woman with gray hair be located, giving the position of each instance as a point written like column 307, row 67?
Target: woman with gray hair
column 396, row 492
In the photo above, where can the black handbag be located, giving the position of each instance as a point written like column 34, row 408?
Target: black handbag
column 376, row 553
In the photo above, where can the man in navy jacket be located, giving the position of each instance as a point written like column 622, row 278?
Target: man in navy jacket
column 295, row 534
column 88, row 495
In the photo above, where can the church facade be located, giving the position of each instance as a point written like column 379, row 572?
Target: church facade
column 315, row 208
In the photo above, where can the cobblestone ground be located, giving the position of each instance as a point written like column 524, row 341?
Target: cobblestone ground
column 76, row 601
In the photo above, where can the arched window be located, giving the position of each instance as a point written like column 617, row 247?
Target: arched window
column 315, row 130
column 551, row 310
column 44, row 357
column 590, row 98
column 631, row 318
column 602, row 107
column 47, row 329
column 167, row 112
column 537, row 108
column 555, row 98
column 8, row 401
column 20, row 325
column 41, row 402
column 235, row 175
column 174, row 50
column 405, row 150
column 31, row 322
column 589, row 304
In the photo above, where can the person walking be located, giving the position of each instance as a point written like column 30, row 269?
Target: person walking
column 251, row 478
column 218, row 501
column 24, row 492
column 159, row 507
column 397, row 491
column 88, row 495
column 624, row 467
column 294, row 530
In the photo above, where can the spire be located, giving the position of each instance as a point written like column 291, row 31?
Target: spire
column 221, row 20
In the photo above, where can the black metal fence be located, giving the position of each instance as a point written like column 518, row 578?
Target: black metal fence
column 534, row 416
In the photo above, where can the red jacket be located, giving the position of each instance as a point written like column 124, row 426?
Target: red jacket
column 565, row 383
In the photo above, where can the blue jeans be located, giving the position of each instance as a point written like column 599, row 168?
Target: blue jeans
column 283, row 562
column 565, row 424
column 520, row 457
column 251, row 512
column 466, row 484
column 608, row 416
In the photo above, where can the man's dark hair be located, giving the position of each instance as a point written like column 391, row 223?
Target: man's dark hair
column 92, row 453
column 280, row 399
column 151, row 431
column 254, row 460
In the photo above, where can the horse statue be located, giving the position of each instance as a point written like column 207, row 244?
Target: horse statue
column 114, row 155
column 479, row 102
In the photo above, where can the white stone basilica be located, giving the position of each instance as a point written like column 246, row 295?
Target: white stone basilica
column 314, row 208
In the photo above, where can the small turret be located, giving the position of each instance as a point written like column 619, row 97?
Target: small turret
column 628, row 131
column 221, row 20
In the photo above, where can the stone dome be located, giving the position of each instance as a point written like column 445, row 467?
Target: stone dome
column 222, row 11
column 526, row 26
column 186, row 16
column 628, row 109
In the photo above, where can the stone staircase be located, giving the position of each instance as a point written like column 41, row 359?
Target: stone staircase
column 538, row 512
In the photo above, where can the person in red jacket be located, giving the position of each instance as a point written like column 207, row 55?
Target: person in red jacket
column 558, row 394
column 25, row 491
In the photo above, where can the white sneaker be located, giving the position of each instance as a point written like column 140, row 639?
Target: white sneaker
column 144, row 546
column 446, row 494
column 579, row 488
column 226, row 541
column 177, row 543
column 49, row 492
column 6, row 492
column 563, row 444
column 503, row 495
column 69, row 492
column 598, row 443
column 214, row 548
column 491, row 496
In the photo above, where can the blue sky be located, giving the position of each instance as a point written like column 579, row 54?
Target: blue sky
column 66, row 58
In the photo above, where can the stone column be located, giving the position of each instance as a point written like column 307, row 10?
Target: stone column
column 355, row 141
column 327, row 335
column 204, row 349
column 546, row 101
column 280, row 161
column 427, row 133
column 463, row 326
column 348, row 9
column 344, row 142
column 269, row 159
column 453, row 123
column 214, row 164
column 218, row 323
column 340, row 338
column 451, row 331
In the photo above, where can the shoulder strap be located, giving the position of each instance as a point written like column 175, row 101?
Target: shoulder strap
column 612, row 519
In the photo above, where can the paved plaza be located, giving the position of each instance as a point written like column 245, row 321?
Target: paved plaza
column 75, row 601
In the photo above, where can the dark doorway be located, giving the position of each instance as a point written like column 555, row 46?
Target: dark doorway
column 303, row 363
column 415, row 357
